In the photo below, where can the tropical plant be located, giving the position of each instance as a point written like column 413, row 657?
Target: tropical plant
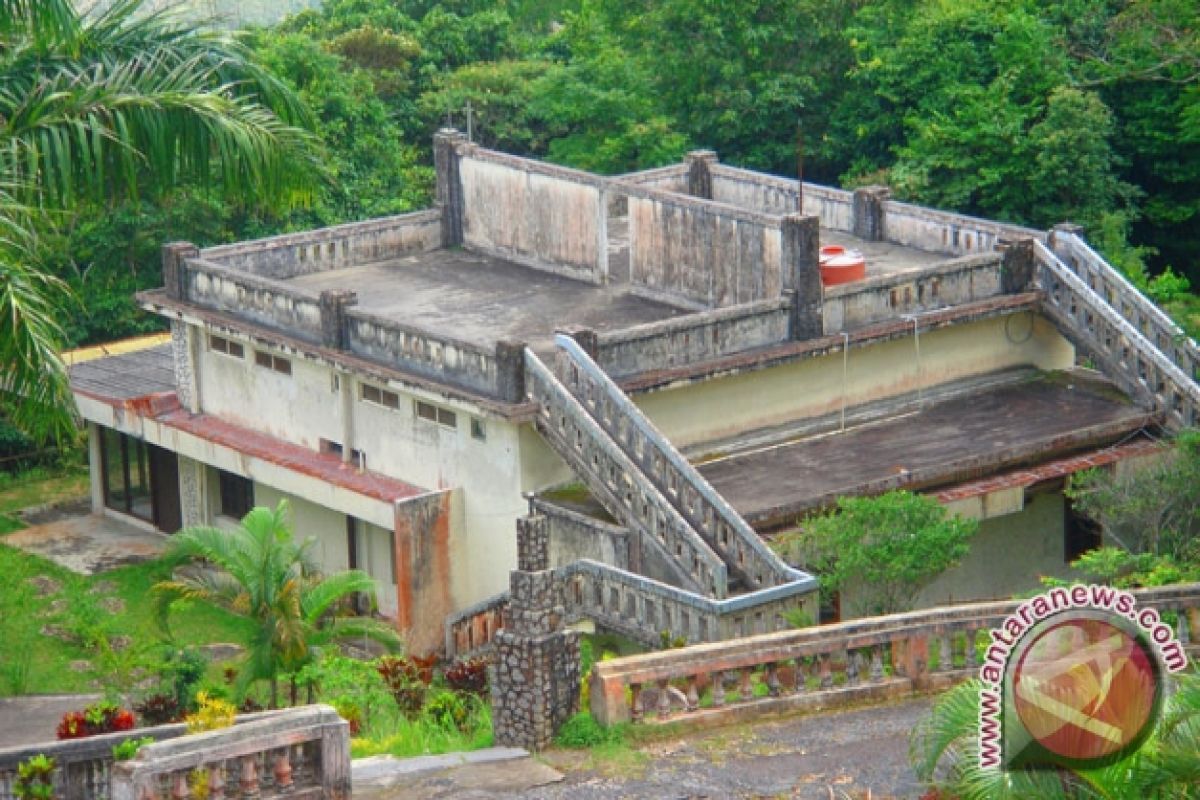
column 944, row 750
column 258, row 571
column 878, row 552
column 35, row 778
column 109, row 104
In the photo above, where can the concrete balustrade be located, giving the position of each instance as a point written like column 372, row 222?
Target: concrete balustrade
column 850, row 662
column 1125, row 354
column 1116, row 290
column 621, row 486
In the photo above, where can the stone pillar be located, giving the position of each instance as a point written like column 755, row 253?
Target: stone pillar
column 193, row 499
column 174, row 274
column 1063, row 228
column 95, row 468
column 186, row 344
column 800, row 263
column 1016, row 267
column 699, row 176
column 535, row 673
column 868, row 212
column 333, row 304
column 449, row 184
column 510, row 371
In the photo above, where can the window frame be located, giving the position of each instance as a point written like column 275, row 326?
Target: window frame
column 225, row 346
column 268, row 360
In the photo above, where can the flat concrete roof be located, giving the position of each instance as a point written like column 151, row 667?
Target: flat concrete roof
column 958, row 440
column 481, row 299
column 885, row 258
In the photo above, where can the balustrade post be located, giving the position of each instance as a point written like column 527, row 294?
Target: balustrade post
column 970, row 658
column 637, row 704
column 693, row 697
column 664, row 699
column 773, row 679
column 1183, row 634
column 945, row 653
column 216, row 782
column 248, row 780
column 283, row 770
column 718, row 688
column 826, row 671
column 746, row 685
column 877, row 663
column 179, row 787
column 798, row 679
column 852, row 667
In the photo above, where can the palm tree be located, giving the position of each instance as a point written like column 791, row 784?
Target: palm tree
column 258, row 571
column 944, row 750
column 113, row 104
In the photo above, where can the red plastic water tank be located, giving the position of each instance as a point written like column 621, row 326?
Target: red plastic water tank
column 844, row 268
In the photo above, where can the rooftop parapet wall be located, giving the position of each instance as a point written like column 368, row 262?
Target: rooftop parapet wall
column 261, row 301
column 540, row 215
column 770, row 194
column 282, row 257
column 946, row 232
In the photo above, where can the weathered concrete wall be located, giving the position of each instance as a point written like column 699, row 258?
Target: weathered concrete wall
column 695, row 337
column 574, row 536
column 702, row 253
column 946, row 232
column 261, row 301
column 672, row 178
column 770, row 194
column 547, row 217
column 882, row 297
column 425, row 564
column 812, row 386
column 357, row 243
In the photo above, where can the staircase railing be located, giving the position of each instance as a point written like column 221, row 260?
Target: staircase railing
column 1126, row 355
column 619, row 484
column 738, row 544
column 1126, row 300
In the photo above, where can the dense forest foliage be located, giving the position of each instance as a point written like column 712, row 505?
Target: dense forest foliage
column 1030, row 111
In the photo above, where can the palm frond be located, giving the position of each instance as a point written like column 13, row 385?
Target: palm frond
column 345, row 629
column 323, row 594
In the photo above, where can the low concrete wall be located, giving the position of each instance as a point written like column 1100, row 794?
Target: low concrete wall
column 695, row 337
column 262, row 301
column 441, row 358
column 946, row 232
column 885, row 297
column 702, row 253
column 574, row 536
column 770, row 194
column 544, row 216
column 332, row 248
column 673, row 178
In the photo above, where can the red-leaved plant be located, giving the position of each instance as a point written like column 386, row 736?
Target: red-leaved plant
column 102, row 717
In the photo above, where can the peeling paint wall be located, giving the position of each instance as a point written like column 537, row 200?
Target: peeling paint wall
column 724, row 406
column 702, row 254
column 423, row 569
column 545, row 217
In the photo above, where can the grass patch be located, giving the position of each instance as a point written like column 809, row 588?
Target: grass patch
column 34, row 663
column 423, row 735
column 38, row 487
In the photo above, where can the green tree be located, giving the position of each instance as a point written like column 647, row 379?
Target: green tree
column 944, row 751
column 1152, row 509
column 110, row 105
column 879, row 551
column 258, row 571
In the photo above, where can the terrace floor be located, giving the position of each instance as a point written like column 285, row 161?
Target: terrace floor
column 885, row 258
column 961, row 439
column 482, row 300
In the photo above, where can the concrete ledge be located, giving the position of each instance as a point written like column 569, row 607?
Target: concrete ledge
column 387, row 771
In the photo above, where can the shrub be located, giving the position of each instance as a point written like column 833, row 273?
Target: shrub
column 129, row 748
column 102, row 717
column 159, row 709
column 469, row 676
column 582, row 730
column 35, row 778
column 407, row 679
column 449, row 710
column 355, row 688
column 211, row 714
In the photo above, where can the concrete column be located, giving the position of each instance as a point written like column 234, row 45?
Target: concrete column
column 173, row 270
column 602, row 236
column 95, row 468
column 193, row 492
column 510, row 371
column 800, row 263
column 1064, row 228
column 346, row 395
column 535, row 674
column 1016, row 267
column 186, row 341
column 333, row 304
column 868, row 212
column 449, row 184
column 699, row 175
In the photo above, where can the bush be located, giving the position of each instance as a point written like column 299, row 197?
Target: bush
column 407, row 679
column 98, row 718
column 449, row 710
column 211, row 714
column 468, row 677
column 129, row 748
column 355, row 688
column 35, row 778
column 582, row 730
column 159, row 709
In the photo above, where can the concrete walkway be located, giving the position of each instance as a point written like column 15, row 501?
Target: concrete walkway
column 89, row 543
column 845, row 754
column 33, row 719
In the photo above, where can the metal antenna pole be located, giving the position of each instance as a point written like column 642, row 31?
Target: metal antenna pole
column 799, row 168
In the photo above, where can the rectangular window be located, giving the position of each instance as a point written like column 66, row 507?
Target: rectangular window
column 432, row 413
column 380, row 397
column 278, row 363
column 237, row 494
column 219, row 344
column 478, row 431
column 125, row 474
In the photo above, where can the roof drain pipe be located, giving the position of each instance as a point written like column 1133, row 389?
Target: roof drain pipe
column 917, row 341
column 845, row 372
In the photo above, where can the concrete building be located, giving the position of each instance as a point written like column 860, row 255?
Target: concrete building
column 651, row 362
